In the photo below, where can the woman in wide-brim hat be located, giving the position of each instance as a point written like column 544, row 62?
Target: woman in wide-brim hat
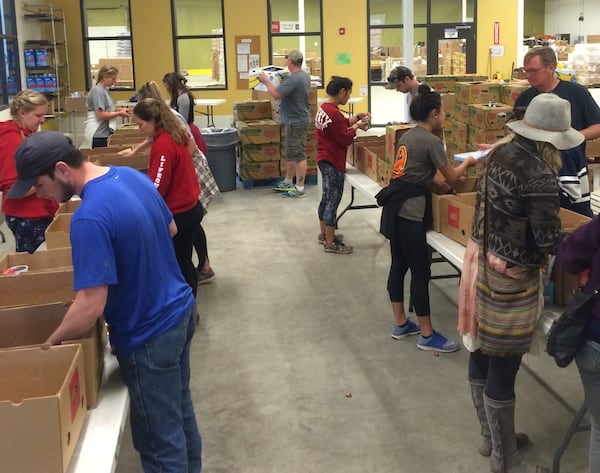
column 515, row 227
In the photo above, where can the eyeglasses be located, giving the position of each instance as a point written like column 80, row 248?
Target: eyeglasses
column 532, row 71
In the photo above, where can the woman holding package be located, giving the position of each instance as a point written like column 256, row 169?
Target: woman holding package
column 406, row 215
column 172, row 171
column 335, row 133
column 102, row 113
column 28, row 217
column 580, row 253
column 516, row 225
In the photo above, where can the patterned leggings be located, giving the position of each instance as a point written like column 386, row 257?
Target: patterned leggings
column 333, row 188
column 29, row 234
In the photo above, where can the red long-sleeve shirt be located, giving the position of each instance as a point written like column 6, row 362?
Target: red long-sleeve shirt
column 30, row 207
column 334, row 135
column 172, row 171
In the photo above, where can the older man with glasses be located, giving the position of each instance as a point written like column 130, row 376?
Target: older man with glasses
column 540, row 66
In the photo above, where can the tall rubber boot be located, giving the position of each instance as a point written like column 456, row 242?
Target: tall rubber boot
column 505, row 456
column 485, row 443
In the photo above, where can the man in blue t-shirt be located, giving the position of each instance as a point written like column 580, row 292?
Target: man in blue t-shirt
column 540, row 65
column 295, row 115
column 125, row 267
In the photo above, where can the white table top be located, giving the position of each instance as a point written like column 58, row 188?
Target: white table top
column 99, row 441
column 367, row 186
column 209, row 102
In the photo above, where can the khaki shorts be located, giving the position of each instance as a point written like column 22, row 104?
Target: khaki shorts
column 295, row 142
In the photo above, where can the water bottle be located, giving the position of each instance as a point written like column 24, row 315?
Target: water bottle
column 41, row 59
column 29, row 58
column 50, row 82
column 30, row 82
column 40, row 86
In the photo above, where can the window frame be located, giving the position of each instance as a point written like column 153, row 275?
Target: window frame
column 319, row 33
column 86, row 46
column 177, row 38
column 5, row 39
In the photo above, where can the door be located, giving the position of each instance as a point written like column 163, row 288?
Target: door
column 451, row 49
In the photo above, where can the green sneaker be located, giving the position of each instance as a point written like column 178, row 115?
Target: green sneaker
column 294, row 193
column 338, row 247
column 337, row 237
column 283, row 187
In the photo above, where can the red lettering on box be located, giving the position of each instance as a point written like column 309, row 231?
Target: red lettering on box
column 453, row 216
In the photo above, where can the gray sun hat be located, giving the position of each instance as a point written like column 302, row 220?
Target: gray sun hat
column 548, row 119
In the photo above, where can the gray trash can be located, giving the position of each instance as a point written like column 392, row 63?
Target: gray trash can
column 222, row 144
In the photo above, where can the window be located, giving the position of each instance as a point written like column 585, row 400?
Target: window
column 10, row 79
column 107, row 37
column 199, row 42
column 297, row 24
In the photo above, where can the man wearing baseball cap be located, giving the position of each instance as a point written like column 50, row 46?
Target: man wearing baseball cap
column 403, row 80
column 125, row 267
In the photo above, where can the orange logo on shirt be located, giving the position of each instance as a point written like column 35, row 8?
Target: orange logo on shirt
column 400, row 162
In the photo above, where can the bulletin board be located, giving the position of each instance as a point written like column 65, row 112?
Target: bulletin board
column 247, row 53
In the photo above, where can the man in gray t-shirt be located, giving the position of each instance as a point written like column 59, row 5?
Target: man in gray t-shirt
column 295, row 116
column 402, row 79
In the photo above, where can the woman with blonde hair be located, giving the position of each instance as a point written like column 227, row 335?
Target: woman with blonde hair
column 172, row 171
column 102, row 113
column 28, row 217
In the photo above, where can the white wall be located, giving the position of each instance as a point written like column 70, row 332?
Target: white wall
column 562, row 16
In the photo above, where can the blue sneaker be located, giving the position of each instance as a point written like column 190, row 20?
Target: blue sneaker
column 283, row 187
column 294, row 194
column 407, row 330
column 437, row 342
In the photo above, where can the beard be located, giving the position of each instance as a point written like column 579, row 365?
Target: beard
column 66, row 192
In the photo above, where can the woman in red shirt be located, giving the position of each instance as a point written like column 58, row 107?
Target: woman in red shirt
column 28, row 217
column 172, row 171
column 335, row 133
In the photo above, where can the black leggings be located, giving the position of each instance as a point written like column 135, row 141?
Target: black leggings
column 200, row 245
column 499, row 373
column 333, row 188
column 410, row 251
column 187, row 227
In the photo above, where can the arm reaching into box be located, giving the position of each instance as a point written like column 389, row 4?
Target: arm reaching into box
column 88, row 306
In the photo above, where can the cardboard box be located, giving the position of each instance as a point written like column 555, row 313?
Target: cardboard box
column 259, row 170
column 456, row 216
column 125, row 139
column 458, row 132
column 384, row 172
column 448, row 104
column 69, row 207
column 76, row 104
column 484, row 136
column 259, row 131
column 511, row 91
column 252, row 110
column 492, row 116
column 32, row 325
column 58, row 233
column 571, row 221
column 49, row 279
column 139, row 161
column 592, row 148
column 42, row 407
column 461, row 112
column 439, row 83
column 477, row 92
column 462, row 186
column 393, row 133
column 369, row 165
column 453, row 148
column 260, row 152
column 89, row 152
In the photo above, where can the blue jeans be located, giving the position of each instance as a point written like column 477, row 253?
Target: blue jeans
column 588, row 362
column 163, row 422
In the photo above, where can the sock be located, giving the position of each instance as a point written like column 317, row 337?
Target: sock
column 301, row 189
column 287, row 181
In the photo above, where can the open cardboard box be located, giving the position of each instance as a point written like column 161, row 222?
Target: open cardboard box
column 49, row 279
column 42, row 407
column 456, row 216
column 58, row 233
column 32, row 325
column 69, row 207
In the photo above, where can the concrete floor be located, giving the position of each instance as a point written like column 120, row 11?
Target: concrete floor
column 288, row 331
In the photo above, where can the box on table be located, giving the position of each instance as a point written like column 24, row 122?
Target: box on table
column 448, row 103
column 130, row 139
column 458, row 132
column 439, row 83
column 393, row 133
column 456, row 216
column 114, row 149
column 49, row 278
column 260, row 152
column 477, row 92
column 252, row 110
column 139, row 161
column 384, row 172
column 484, row 136
column 511, row 91
column 259, row 170
column 32, row 325
column 462, row 186
column 69, row 207
column 259, row 131
column 592, row 148
column 461, row 112
column 492, row 116
column 76, row 104
column 367, row 162
column 58, row 233
column 42, row 407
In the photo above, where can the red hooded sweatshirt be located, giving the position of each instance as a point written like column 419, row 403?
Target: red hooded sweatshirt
column 30, row 207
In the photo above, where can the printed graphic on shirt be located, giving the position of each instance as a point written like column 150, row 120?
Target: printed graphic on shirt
column 322, row 120
column 400, row 162
column 159, row 173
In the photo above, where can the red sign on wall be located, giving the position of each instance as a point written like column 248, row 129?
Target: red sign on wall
column 496, row 32
column 275, row 27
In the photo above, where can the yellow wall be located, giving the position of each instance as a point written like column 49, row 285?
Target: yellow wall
column 153, row 43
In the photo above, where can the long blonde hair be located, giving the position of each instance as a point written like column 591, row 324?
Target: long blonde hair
column 162, row 116
column 26, row 101
column 150, row 90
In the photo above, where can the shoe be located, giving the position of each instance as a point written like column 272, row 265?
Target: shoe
column 337, row 247
column 206, row 277
column 407, row 330
column 283, row 187
column 337, row 237
column 295, row 193
column 437, row 342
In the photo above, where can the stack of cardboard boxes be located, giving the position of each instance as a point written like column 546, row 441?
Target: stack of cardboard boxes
column 45, row 392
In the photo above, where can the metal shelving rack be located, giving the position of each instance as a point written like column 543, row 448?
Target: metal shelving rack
column 57, row 50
